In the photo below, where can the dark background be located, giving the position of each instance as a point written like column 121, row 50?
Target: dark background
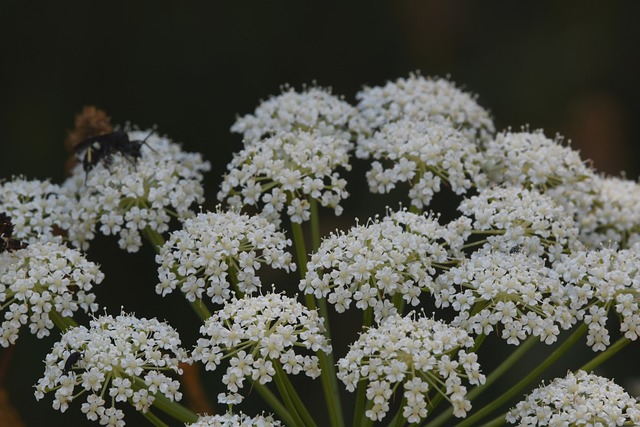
column 568, row 67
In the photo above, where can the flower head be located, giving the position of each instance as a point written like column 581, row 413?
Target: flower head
column 286, row 171
column 418, row 98
column 596, row 282
column 514, row 217
column 423, row 153
column 217, row 250
column 40, row 279
column 372, row 263
column 127, row 196
column 512, row 293
column 578, row 399
column 312, row 109
column 426, row 356
column 260, row 335
column 235, row 420
column 125, row 357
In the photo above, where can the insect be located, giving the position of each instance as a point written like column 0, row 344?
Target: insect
column 102, row 148
column 7, row 242
column 71, row 360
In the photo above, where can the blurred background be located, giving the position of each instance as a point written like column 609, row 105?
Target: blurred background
column 567, row 67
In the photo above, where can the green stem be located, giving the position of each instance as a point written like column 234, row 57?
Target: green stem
column 154, row 238
column 301, row 249
column 505, row 397
column 200, row 309
column 315, row 226
column 492, row 378
column 274, row 403
column 500, row 420
column 169, row 407
column 605, row 355
column 295, row 398
column 153, row 419
column 288, row 402
column 61, row 322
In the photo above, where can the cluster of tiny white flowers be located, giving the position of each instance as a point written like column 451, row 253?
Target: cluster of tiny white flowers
column 217, row 250
column 312, row 109
column 124, row 357
column 127, row 197
column 509, row 292
column 39, row 210
column 39, row 279
column 615, row 217
column 422, row 354
column 286, row 171
column 577, row 400
column 418, row 98
column 260, row 335
column 371, row 263
column 235, row 420
column 596, row 282
column 423, row 153
column 516, row 217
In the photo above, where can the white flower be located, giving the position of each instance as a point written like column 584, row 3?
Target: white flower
column 126, row 197
column 256, row 333
column 515, row 218
column 90, row 361
column 512, row 293
column 424, row 154
column 598, row 281
column 235, row 420
column 580, row 399
column 426, row 356
column 418, row 98
column 41, row 279
column 39, row 210
column 312, row 109
column 220, row 253
column 372, row 263
column 288, row 169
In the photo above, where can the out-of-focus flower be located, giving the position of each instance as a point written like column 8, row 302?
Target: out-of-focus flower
column 218, row 251
column 426, row 356
column 576, row 400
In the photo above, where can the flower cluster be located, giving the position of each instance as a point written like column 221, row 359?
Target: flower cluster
column 598, row 281
column 261, row 335
column 426, row 356
column 312, row 109
column 217, row 250
column 578, row 399
column 289, row 169
column 418, row 98
column 372, row 263
column 39, row 210
column 236, row 420
column 509, row 292
column 517, row 217
column 40, row 283
column 425, row 154
column 124, row 356
column 127, row 198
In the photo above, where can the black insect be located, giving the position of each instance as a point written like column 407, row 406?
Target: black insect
column 71, row 360
column 7, row 242
column 102, row 148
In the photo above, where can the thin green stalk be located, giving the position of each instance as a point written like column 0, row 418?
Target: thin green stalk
column 605, row 355
column 284, row 393
column 295, row 398
column 492, row 378
column 153, row 419
column 504, row 398
column 315, row 226
column 301, row 249
column 200, row 309
column 169, row 407
column 398, row 420
column 500, row 420
column 274, row 403
column 62, row 323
